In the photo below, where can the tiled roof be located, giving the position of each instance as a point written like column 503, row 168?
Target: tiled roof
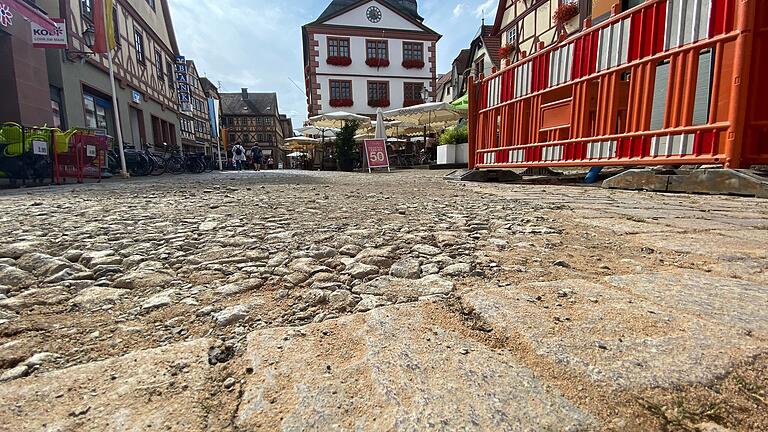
column 492, row 44
column 409, row 7
column 256, row 104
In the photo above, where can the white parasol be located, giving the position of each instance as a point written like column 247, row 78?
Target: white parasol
column 336, row 119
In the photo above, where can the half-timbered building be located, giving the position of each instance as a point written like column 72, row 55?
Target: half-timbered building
column 253, row 119
column 144, row 65
column 526, row 26
column 194, row 116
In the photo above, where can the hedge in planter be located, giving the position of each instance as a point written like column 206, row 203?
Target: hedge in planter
column 454, row 136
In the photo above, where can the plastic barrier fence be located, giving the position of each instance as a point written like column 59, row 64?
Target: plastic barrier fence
column 669, row 82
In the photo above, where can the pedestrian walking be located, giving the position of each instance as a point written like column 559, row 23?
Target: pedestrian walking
column 238, row 156
column 257, row 156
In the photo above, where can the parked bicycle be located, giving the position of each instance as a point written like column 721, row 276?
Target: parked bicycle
column 195, row 163
column 137, row 162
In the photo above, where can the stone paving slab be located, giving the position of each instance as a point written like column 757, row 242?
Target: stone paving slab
column 620, row 225
column 157, row 389
column 395, row 368
column 727, row 302
column 707, row 244
column 610, row 336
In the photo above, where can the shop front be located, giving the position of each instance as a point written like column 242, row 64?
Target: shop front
column 26, row 97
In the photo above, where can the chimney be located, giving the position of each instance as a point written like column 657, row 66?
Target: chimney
column 245, row 93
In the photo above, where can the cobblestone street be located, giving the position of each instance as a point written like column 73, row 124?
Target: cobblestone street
column 332, row 301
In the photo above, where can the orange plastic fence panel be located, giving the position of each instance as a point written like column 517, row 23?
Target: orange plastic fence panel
column 636, row 71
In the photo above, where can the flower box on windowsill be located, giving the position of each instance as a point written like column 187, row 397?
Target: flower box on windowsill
column 381, row 103
column 337, row 103
column 506, row 50
column 412, row 102
column 377, row 62
column 565, row 12
column 339, row 61
column 413, row 64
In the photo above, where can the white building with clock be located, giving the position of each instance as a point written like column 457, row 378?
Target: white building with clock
column 360, row 55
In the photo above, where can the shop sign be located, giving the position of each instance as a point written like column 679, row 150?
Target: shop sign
column 135, row 97
column 376, row 152
column 44, row 38
column 182, row 86
column 6, row 16
column 90, row 151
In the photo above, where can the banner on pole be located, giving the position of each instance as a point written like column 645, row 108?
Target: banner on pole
column 376, row 152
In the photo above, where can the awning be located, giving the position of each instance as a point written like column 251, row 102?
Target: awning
column 425, row 114
column 461, row 103
column 31, row 13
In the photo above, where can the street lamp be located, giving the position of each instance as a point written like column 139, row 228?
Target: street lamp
column 424, row 94
column 89, row 37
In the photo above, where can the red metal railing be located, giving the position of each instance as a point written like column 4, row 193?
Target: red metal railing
column 667, row 82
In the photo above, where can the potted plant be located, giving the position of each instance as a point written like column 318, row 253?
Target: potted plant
column 506, row 50
column 377, row 62
column 337, row 103
column 566, row 16
column 413, row 64
column 339, row 61
column 453, row 146
column 345, row 146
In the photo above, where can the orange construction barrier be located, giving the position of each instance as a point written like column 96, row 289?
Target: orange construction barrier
column 669, row 82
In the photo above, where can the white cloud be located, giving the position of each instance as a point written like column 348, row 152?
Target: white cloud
column 458, row 10
column 486, row 9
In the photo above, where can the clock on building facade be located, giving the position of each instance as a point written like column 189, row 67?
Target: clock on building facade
column 373, row 14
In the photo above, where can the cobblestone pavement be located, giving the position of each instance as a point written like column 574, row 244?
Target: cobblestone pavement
column 319, row 301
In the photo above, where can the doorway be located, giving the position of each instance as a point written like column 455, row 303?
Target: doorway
column 138, row 130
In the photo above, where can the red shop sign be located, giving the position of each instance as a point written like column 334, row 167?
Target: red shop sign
column 376, row 152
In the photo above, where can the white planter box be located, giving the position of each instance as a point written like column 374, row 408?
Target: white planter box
column 572, row 25
column 446, row 154
column 462, row 153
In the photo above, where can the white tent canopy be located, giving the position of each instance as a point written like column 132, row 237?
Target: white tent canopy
column 297, row 154
column 312, row 131
column 336, row 119
column 425, row 114
column 302, row 140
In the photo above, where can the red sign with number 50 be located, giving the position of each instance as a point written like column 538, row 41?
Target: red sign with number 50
column 376, row 151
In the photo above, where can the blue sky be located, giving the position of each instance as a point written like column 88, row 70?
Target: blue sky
column 257, row 43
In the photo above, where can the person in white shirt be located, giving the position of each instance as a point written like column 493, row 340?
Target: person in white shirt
column 238, row 156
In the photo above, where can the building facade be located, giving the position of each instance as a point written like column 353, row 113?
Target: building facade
column 214, row 115
column 144, row 62
column 253, row 119
column 483, row 52
column 361, row 55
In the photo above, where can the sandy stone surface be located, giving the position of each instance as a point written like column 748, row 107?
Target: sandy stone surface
column 330, row 301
